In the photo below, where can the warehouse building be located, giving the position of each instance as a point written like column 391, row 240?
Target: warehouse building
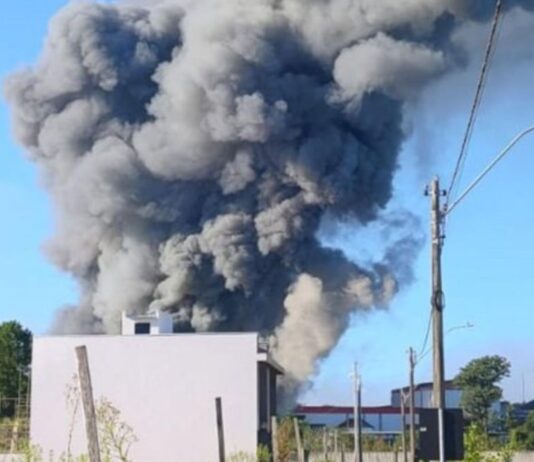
column 376, row 420
column 385, row 421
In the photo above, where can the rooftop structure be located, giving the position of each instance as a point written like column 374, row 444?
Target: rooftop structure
column 153, row 323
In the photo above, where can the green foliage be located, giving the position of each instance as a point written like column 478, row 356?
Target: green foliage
column 478, row 380
column 316, row 440
column 480, row 448
column 474, row 445
column 523, row 436
column 14, row 433
column 15, row 357
column 262, row 455
column 379, row 444
column 116, row 436
column 241, row 456
column 313, row 438
column 35, row 454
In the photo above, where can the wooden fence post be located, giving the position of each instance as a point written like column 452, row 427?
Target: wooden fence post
column 220, row 428
column 274, row 438
column 300, row 450
column 84, row 375
column 325, row 444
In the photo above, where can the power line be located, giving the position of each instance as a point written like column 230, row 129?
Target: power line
column 477, row 99
column 425, row 341
column 491, row 165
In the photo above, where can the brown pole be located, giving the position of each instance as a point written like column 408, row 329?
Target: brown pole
column 220, row 428
column 325, row 447
column 86, row 388
column 300, row 451
column 357, row 420
column 403, row 425
column 412, row 406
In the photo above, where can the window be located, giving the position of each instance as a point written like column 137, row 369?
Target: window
column 142, row 328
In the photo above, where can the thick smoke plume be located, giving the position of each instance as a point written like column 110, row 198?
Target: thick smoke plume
column 193, row 147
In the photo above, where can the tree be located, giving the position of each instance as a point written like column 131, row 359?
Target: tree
column 15, row 358
column 523, row 435
column 478, row 381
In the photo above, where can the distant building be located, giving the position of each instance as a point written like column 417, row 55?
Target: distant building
column 520, row 412
column 165, row 387
column 423, row 395
column 376, row 420
column 384, row 420
column 453, row 397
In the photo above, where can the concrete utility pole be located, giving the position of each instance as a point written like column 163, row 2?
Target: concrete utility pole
column 358, row 454
column 403, row 417
column 437, row 218
column 412, row 405
column 438, row 396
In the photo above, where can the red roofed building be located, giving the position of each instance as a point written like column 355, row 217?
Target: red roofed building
column 376, row 419
column 383, row 420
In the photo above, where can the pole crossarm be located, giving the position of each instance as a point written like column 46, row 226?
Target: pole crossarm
column 492, row 164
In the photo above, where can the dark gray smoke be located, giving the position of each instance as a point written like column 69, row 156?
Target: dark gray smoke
column 193, row 147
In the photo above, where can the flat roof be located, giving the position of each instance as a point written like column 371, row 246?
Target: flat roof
column 261, row 356
column 266, row 358
column 449, row 385
column 173, row 334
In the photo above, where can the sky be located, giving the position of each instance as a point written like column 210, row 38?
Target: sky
column 488, row 256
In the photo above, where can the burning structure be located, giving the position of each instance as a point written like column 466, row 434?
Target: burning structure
column 194, row 148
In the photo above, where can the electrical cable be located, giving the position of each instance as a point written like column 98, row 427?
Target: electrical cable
column 427, row 335
column 481, row 84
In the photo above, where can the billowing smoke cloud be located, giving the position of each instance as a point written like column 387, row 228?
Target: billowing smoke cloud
column 193, row 147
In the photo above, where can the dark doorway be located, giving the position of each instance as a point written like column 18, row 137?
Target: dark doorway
column 142, row 328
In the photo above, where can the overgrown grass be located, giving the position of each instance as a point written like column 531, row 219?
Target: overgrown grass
column 14, row 434
column 262, row 455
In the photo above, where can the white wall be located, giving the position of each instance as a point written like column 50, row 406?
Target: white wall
column 165, row 386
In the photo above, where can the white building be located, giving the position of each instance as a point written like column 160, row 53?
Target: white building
column 165, row 387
